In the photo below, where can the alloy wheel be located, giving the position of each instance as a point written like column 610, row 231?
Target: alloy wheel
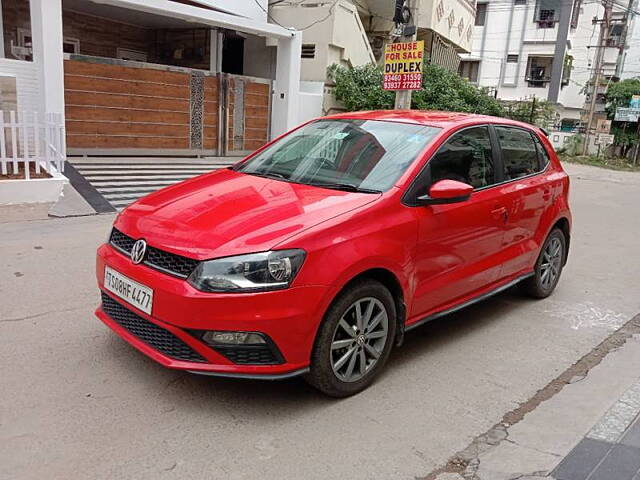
column 359, row 339
column 551, row 263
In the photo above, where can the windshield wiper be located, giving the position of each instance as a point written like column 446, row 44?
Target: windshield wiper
column 349, row 187
column 277, row 176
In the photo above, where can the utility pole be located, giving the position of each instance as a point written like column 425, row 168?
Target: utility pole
column 409, row 34
column 597, row 72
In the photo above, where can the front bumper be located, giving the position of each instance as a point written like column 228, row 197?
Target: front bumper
column 289, row 318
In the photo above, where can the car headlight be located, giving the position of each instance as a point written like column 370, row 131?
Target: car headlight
column 255, row 272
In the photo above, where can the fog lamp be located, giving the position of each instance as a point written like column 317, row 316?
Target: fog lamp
column 233, row 338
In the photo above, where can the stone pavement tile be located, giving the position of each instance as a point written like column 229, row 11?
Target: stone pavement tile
column 632, row 396
column 622, row 463
column 611, row 427
column 632, row 437
column 582, row 460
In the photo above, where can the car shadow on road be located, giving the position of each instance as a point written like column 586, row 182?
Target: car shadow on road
column 260, row 399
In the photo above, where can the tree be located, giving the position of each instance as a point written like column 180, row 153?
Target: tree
column 535, row 111
column 360, row 88
column 619, row 94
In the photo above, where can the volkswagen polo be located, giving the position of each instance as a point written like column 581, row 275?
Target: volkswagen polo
column 317, row 253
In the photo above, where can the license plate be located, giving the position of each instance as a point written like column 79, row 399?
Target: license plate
column 129, row 290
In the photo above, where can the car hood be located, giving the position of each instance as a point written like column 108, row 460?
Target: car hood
column 228, row 213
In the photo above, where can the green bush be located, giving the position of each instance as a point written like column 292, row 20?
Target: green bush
column 360, row 88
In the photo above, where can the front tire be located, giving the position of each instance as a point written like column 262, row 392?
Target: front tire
column 548, row 266
column 354, row 340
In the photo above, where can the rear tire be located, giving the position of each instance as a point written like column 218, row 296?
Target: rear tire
column 354, row 340
column 548, row 267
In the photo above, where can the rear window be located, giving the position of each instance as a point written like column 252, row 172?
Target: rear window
column 519, row 152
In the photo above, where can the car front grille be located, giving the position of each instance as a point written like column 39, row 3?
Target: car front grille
column 166, row 262
column 150, row 333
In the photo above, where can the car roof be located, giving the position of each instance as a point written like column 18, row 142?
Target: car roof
column 429, row 117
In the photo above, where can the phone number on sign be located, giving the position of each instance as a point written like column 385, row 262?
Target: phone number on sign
column 409, row 81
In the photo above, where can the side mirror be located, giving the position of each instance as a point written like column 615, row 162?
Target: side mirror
column 446, row 191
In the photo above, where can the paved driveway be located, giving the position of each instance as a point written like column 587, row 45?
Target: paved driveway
column 77, row 402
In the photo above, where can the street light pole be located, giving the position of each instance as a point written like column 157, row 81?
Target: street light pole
column 403, row 97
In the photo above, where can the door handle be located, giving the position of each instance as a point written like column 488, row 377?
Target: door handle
column 546, row 194
column 500, row 213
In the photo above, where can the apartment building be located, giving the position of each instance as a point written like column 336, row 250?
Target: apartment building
column 545, row 49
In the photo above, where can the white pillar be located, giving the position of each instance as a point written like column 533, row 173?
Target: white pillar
column 46, row 34
column 286, row 89
column 1, row 32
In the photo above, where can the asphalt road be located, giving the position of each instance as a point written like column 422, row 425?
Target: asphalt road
column 77, row 402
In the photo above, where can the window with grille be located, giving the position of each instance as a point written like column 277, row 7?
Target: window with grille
column 545, row 13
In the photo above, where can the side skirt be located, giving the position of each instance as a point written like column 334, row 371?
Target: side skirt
column 251, row 376
column 477, row 299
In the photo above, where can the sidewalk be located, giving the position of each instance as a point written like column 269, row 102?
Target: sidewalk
column 584, row 425
column 611, row 450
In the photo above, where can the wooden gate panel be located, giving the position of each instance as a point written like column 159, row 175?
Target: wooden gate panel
column 125, row 107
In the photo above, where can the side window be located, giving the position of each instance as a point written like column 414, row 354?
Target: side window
column 465, row 157
column 519, row 153
column 543, row 155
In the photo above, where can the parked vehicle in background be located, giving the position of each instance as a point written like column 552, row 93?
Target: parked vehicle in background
column 314, row 255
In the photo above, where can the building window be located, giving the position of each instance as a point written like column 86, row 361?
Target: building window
column 539, row 71
column 71, row 45
column 566, row 70
column 133, row 55
column 308, row 50
column 469, row 69
column 481, row 14
column 575, row 13
column 615, row 35
column 512, row 58
column 545, row 13
column 24, row 49
column 520, row 2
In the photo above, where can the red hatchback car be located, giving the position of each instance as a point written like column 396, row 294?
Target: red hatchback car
column 314, row 255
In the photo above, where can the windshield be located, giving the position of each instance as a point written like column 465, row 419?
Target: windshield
column 358, row 155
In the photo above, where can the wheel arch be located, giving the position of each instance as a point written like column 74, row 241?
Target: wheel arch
column 564, row 226
column 391, row 282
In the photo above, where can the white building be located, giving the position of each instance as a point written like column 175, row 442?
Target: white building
column 152, row 76
column 631, row 56
column 542, row 48
column 354, row 32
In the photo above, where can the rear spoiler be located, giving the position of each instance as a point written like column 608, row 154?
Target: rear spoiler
column 544, row 130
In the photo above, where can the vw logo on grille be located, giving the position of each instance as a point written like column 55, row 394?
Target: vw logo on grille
column 138, row 251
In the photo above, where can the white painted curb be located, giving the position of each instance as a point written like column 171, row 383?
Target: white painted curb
column 37, row 190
